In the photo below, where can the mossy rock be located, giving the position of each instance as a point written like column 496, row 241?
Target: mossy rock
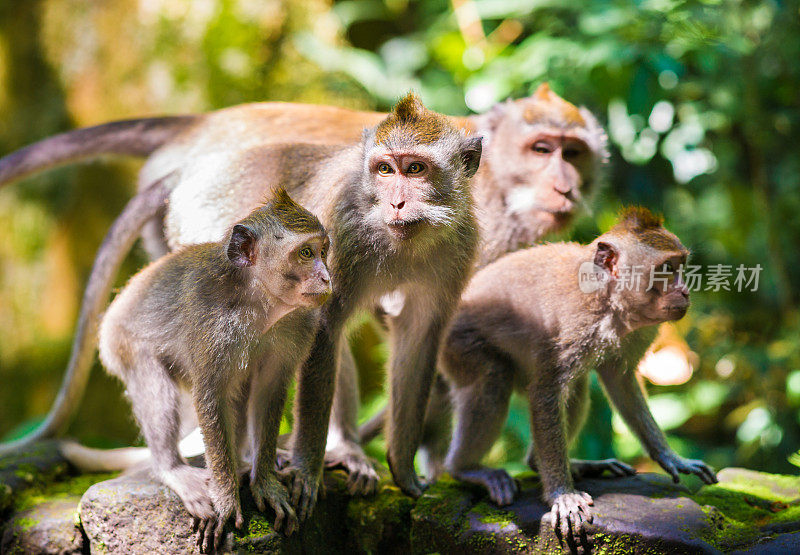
column 746, row 512
column 34, row 466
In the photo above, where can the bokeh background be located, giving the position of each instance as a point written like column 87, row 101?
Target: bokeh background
column 701, row 100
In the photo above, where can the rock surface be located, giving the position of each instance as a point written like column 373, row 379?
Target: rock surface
column 747, row 512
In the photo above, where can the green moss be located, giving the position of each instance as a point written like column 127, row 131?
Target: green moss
column 26, row 523
column 738, row 515
column 58, row 490
column 489, row 514
column 380, row 519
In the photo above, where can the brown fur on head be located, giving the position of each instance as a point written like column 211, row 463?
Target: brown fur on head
column 291, row 215
column 409, row 121
column 639, row 245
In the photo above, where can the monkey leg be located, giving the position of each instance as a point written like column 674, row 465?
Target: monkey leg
column 343, row 447
column 157, row 406
column 437, row 430
column 481, row 409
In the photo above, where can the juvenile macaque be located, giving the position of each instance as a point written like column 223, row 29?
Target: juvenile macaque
column 226, row 323
column 541, row 155
column 538, row 320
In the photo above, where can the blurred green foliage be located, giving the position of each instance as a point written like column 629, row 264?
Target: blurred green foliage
column 701, row 100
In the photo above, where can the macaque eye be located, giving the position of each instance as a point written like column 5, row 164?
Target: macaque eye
column 306, row 253
column 667, row 268
column 415, row 167
column 385, row 169
column 323, row 253
column 542, row 148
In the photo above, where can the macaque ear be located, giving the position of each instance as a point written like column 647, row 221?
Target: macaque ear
column 606, row 257
column 242, row 246
column 471, row 154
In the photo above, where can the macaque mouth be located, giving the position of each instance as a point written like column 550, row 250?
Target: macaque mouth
column 403, row 229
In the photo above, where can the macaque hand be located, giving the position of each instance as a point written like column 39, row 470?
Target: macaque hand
column 270, row 491
column 675, row 464
column 569, row 513
column 303, row 487
column 211, row 528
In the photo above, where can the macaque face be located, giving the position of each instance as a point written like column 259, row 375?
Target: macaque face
column 403, row 186
column 547, row 169
column 668, row 291
column 298, row 274
column 660, row 295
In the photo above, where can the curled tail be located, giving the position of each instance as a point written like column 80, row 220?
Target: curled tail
column 138, row 137
column 115, row 246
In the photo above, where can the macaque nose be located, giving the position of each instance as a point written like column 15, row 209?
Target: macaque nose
column 562, row 186
column 399, row 205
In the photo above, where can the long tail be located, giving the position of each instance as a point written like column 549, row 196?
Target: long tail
column 372, row 428
column 138, row 137
column 89, row 459
column 115, row 246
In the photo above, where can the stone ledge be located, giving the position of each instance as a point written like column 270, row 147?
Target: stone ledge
column 748, row 512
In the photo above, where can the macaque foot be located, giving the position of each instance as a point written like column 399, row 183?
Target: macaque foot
column 593, row 469
column 362, row 479
column 502, row 488
column 675, row 464
column 211, row 528
column 192, row 485
column 302, row 487
column 270, row 491
column 408, row 481
column 569, row 513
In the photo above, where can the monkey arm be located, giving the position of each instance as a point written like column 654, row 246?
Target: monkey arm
column 416, row 334
column 264, row 410
column 215, row 420
column 569, row 508
column 619, row 381
column 548, row 423
column 313, row 400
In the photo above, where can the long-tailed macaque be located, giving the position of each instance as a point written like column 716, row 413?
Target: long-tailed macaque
column 541, row 155
column 537, row 321
column 228, row 323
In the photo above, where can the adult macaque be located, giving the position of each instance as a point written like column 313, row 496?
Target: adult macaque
column 541, row 156
column 228, row 323
column 537, row 321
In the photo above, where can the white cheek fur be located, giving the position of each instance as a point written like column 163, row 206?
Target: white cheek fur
column 521, row 199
